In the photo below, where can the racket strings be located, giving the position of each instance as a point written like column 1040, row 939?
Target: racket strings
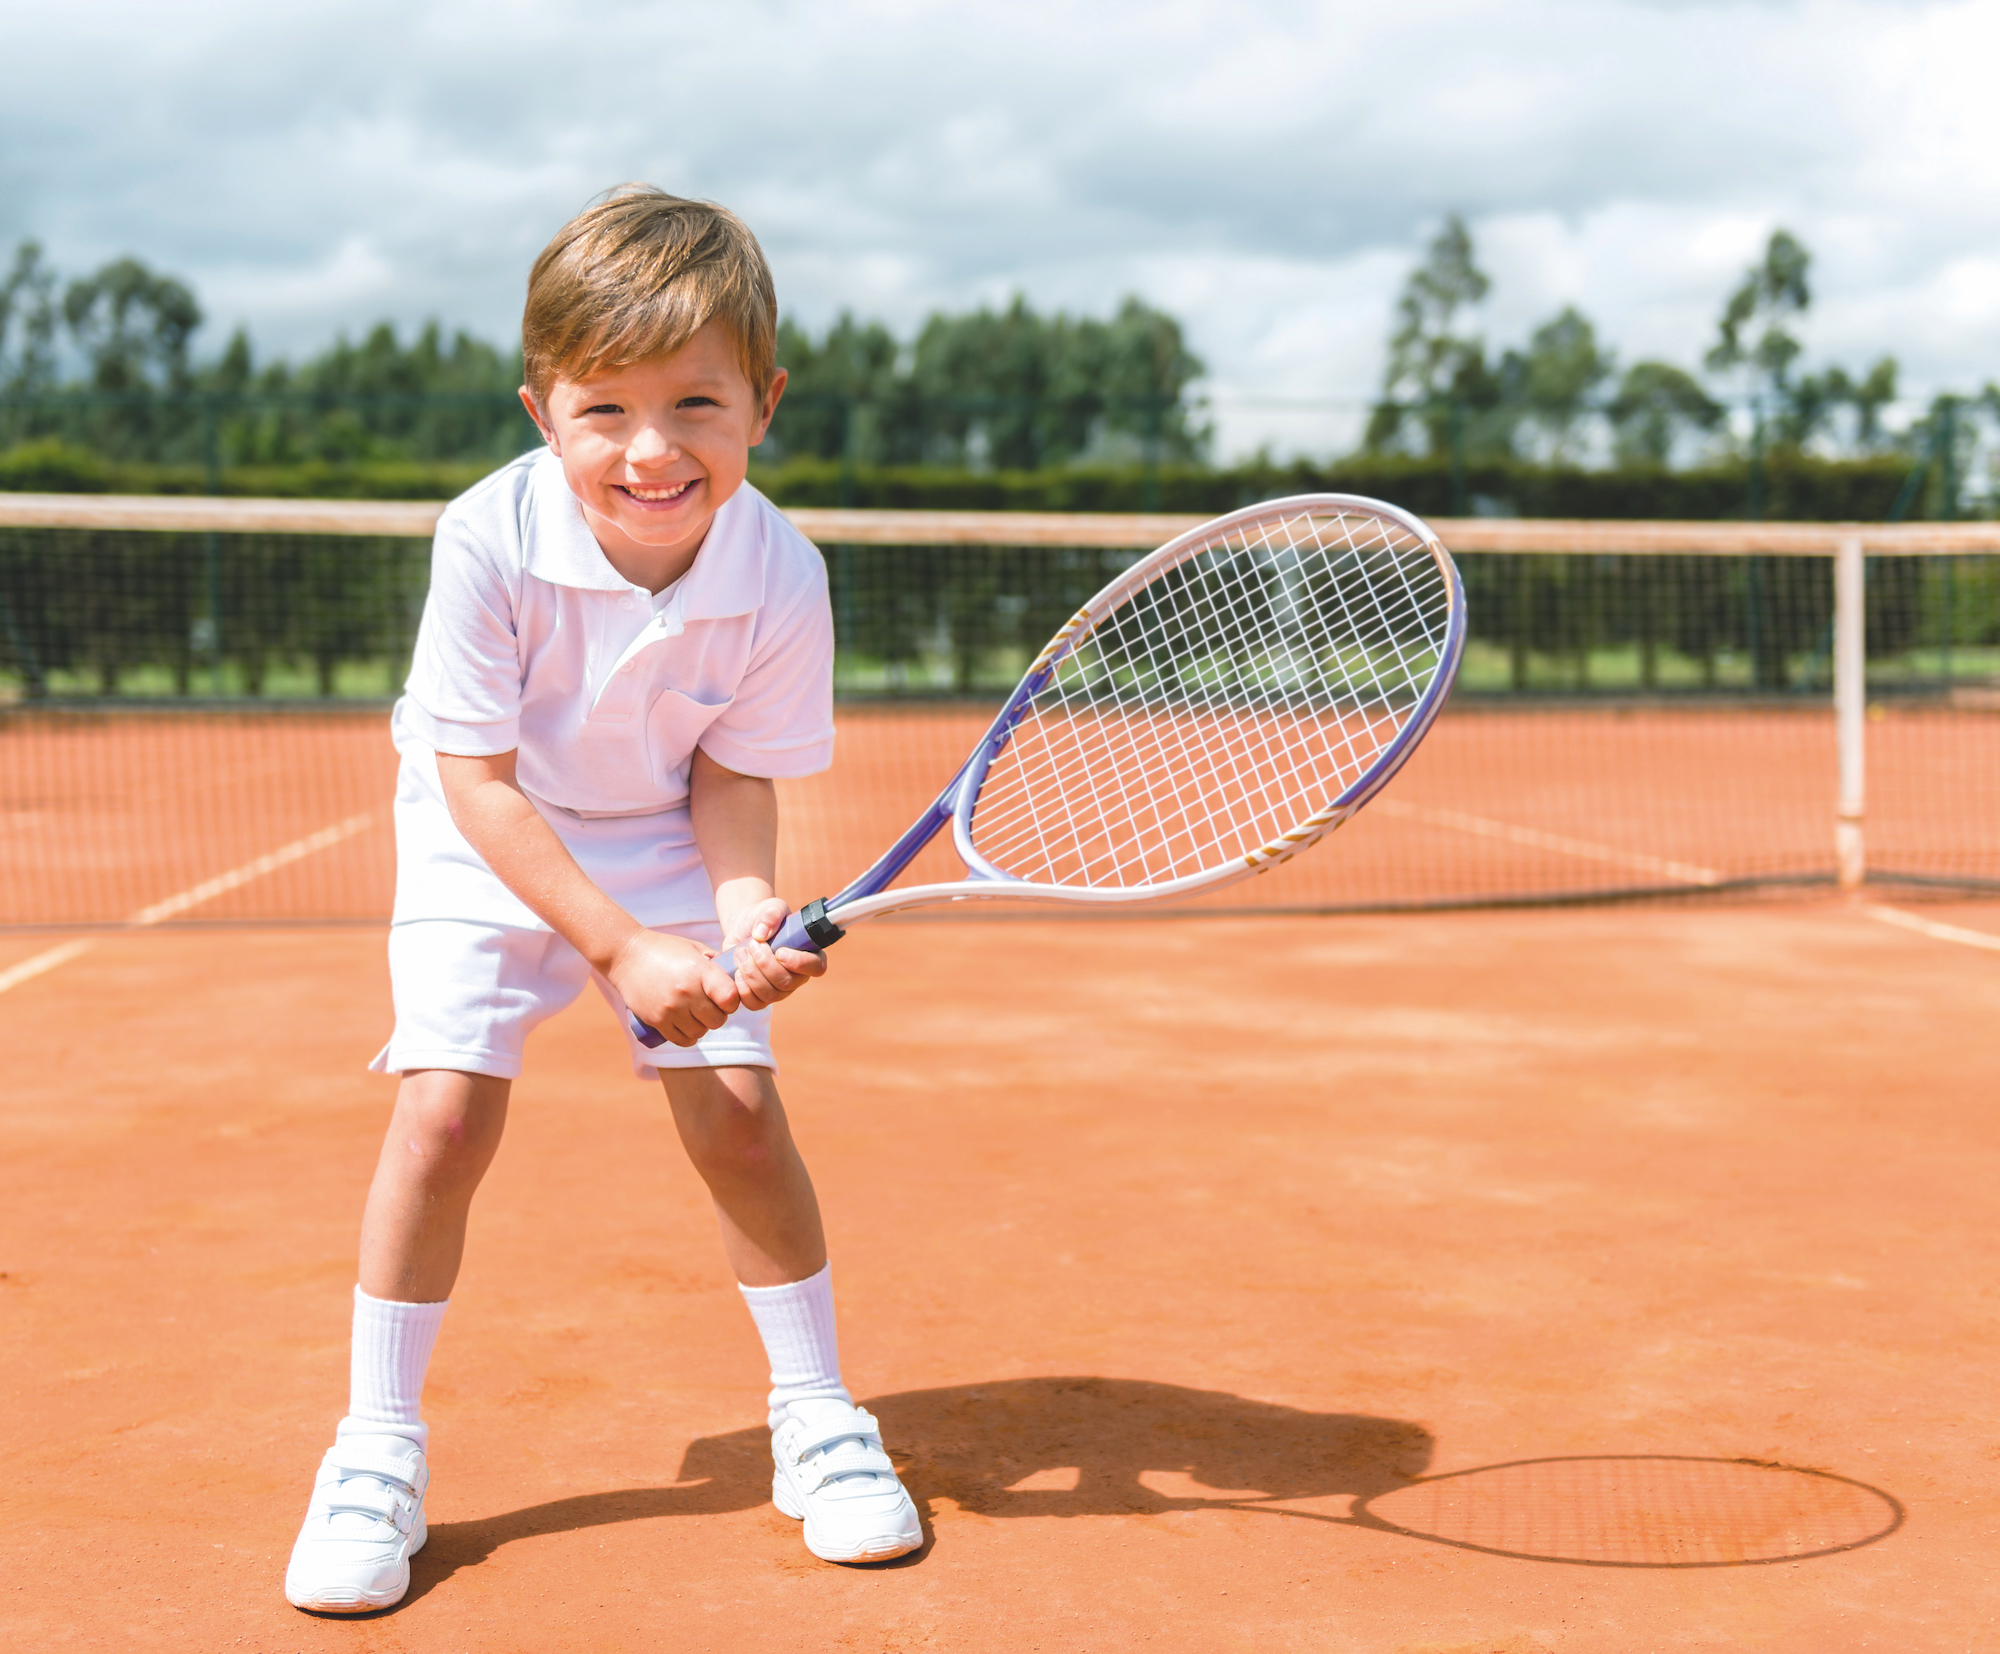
column 1265, row 754
column 1219, row 705
column 1255, row 741
column 1271, row 757
column 1349, row 618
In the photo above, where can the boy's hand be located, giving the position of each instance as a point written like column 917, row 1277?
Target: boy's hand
column 765, row 975
column 672, row 984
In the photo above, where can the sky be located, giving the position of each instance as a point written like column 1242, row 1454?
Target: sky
column 1267, row 170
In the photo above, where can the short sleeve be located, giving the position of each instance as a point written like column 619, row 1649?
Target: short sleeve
column 464, row 690
column 779, row 724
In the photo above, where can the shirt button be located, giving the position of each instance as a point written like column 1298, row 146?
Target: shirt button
column 625, row 603
column 627, row 667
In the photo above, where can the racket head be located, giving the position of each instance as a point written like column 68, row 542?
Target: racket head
column 1220, row 706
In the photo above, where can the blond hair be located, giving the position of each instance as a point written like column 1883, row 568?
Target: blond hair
column 639, row 273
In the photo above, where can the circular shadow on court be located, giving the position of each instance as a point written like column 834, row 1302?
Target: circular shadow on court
column 1638, row 1511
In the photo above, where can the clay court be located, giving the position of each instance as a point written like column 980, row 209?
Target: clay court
column 1600, row 1279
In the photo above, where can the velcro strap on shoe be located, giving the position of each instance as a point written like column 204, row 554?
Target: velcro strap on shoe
column 354, row 1460
column 850, row 1458
column 858, row 1426
column 363, row 1497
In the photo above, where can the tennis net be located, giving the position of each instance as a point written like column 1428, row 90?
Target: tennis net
column 194, row 693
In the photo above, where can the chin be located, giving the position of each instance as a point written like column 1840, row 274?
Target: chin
column 650, row 526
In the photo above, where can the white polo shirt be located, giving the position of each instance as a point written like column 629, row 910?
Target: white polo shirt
column 530, row 639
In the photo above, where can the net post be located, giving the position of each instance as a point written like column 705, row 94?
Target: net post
column 1850, row 668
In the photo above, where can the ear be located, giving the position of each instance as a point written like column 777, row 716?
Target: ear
column 542, row 423
column 771, row 395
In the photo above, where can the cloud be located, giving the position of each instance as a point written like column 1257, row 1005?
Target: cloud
column 1266, row 168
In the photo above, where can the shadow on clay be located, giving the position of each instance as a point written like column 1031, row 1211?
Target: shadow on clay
column 1075, row 1447
column 972, row 1444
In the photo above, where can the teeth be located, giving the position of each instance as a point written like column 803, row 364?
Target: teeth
column 653, row 495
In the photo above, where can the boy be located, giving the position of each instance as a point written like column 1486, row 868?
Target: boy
column 622, row 647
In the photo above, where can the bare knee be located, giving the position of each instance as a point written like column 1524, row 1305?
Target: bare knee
column 447, row 1126
column 730, row 1121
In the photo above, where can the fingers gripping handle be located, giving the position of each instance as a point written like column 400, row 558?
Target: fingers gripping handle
column 809, row 930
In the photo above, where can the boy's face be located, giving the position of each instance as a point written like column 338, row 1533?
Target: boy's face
column 654, row 450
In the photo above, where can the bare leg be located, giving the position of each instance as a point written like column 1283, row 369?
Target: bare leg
column 441, row 1139
column 734, row 1129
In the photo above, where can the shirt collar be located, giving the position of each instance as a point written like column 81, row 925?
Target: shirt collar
column 726, row 577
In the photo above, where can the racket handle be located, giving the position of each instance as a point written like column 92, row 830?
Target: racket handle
column 809, row 930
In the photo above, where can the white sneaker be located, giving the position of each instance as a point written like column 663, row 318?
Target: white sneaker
column 365, row 1522
column 831, row 1473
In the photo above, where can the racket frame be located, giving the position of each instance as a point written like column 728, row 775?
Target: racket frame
column 868, row 896
column 820, row 923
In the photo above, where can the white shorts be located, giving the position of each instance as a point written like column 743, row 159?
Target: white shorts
column 467, row 993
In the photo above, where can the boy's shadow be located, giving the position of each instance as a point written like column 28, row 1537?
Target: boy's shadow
column 1019, row 1447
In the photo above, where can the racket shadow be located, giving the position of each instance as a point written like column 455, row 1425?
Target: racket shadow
column 1083, row 1446
column 1636, row 1510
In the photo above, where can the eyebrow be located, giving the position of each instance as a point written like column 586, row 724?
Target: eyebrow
column 602, row 389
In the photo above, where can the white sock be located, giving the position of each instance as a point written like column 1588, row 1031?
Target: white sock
column 392, row 1350
column 796, row 1324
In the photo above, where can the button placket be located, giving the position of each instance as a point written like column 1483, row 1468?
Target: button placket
column 617, row 700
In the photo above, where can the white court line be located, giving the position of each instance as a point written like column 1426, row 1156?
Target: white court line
column 206, row 891
column 28, row 969
column 1680, row 872
column 1931, row 928
column 1685, row 872
column 225, row 882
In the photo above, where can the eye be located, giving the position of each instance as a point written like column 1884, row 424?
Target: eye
column 697, row 402
column 604, row 408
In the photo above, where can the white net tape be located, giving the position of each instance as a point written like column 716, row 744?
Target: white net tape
column 1219, row 706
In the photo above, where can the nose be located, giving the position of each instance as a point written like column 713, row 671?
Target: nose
column 652, row 444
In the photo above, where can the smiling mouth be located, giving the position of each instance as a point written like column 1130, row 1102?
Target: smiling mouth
column 656, row 496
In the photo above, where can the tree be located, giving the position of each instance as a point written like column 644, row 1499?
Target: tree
column 1120, row 384
column 854, row 366
column 235, row 371
column 1009, row 388
column 1755, row 337
column 133, row 326
column 1868, row 397
column 1752, row 334
column 378, row 400
column 1809, row 405
column 1432, row 363
column 1655, row 404
column 987, row 375
column 28, row 314
column 1552, row 382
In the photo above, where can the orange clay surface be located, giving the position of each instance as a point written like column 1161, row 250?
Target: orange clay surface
column 1201, row 1272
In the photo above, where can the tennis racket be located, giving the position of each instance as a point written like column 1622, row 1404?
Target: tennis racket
column 1221, row 705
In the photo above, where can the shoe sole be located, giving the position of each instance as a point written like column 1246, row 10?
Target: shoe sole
column 882, row 1549
column 342, row 1601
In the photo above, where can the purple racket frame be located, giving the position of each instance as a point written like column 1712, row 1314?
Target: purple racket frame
column 818, row 924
